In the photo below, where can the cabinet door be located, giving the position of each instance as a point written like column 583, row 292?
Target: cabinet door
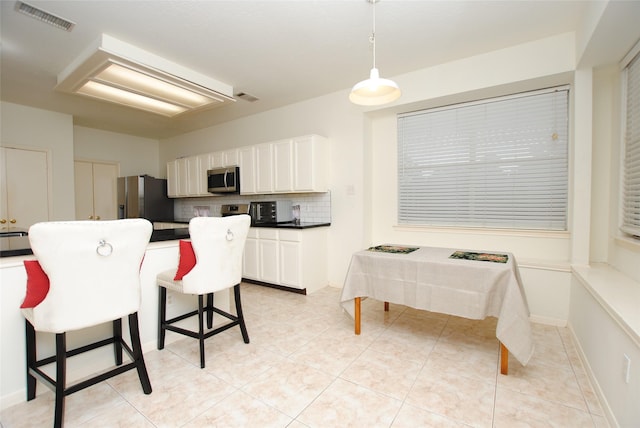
column 250, row 259
column 204, row 164
column 247, row 164
column 83, row 178
column 269, row 264
column 290, row 264
column 183, row 177
column 282, row 166
column 105, row 191
column 310, row 160
column 172, row 179
column 25, row 184
column 230, row 157
column 216, row 160
column 264, row 168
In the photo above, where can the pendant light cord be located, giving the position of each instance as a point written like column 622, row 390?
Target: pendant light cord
column 372, row 39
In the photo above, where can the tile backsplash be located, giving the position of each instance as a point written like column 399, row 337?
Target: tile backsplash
column 314, row 207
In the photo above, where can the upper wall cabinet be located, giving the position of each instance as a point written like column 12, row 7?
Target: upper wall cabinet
column 187, row 177
column 264, row 168
column 247, row 164
column 310, row 164
column 296, row 165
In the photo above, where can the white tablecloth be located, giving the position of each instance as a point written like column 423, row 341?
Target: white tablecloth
column 428, row 279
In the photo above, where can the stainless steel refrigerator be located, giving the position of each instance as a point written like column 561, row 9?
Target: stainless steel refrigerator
column 143, row 196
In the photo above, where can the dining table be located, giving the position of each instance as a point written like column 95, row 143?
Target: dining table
column 460, row 282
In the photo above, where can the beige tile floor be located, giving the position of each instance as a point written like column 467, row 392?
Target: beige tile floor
column 304, row 367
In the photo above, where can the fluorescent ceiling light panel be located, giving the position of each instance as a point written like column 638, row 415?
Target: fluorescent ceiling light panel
column 115, row 71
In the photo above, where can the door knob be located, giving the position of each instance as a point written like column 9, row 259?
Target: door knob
column 12, row 221
column 3, row 221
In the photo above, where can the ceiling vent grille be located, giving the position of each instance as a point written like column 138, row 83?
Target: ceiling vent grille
column 246, row 97
column 44, row 16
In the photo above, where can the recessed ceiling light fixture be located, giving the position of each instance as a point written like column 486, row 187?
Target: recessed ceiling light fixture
column 44, row 16
column 115, row 71
column 375, row 90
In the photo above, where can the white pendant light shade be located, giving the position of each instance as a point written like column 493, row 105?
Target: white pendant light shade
column 374, row 91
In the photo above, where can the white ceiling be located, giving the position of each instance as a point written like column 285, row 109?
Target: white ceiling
column 281, row 52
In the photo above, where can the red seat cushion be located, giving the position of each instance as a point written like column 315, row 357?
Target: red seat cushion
column 37, row 284
column 187, row 260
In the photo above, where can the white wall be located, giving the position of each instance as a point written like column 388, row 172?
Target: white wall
column 135, row 155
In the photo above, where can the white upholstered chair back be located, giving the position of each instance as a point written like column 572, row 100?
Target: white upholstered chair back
column 218, row 243
column 93, row 269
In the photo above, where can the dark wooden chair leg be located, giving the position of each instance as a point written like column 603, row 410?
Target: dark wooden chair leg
column 61, row 369
column 201, row 329
column 136, row 348
column 117, row 341
column 162, row 315
column 243, row 327
column 31, row 359
column 210, row 310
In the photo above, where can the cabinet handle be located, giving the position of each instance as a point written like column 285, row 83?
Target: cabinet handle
column 3, row 221
column 97, row 217
column 12, row 221
column 90, row 217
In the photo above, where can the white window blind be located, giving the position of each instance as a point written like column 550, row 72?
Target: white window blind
column 631, row 196
column 498, row 163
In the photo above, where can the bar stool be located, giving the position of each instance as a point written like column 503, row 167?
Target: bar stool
column 215, row 264
column 92, row 270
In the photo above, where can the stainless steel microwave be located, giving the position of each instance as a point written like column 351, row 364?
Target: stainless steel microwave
column 223, row 180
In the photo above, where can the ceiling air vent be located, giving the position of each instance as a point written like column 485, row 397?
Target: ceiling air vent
column 44, row 16
column 246, row 97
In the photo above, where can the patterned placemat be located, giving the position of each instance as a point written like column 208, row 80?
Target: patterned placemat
column 396, row 249
column 483, row 257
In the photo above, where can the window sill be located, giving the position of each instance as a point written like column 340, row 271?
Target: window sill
column 486, row 231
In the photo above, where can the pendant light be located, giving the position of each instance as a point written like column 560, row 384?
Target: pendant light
column 374, row 91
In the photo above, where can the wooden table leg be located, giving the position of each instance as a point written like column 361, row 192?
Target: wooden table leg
column 504, row 359
column 357, row 314
column 386, row 306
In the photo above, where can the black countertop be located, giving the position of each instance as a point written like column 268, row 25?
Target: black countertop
column 173, row 234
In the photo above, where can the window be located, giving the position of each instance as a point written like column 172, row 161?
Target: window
column 496, row 163
column 631, row 194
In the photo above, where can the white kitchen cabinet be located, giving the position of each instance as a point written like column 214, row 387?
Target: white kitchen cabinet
column 269, row 256
column 178, row 178
column 230, row 157
column 290, row 255
column 297, row 165
column 264, row 168
column 283, row 166
column 216, row 160
column 24, row 192
column 251, row 256
column 198, row 166
column 223, row 158
column 172, row 179
column 247, row 164
column 187, row 177
column 310, row 164
column 96, row 190
column 289, row 258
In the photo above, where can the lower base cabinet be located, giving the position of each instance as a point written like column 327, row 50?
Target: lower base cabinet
column 288, row 258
